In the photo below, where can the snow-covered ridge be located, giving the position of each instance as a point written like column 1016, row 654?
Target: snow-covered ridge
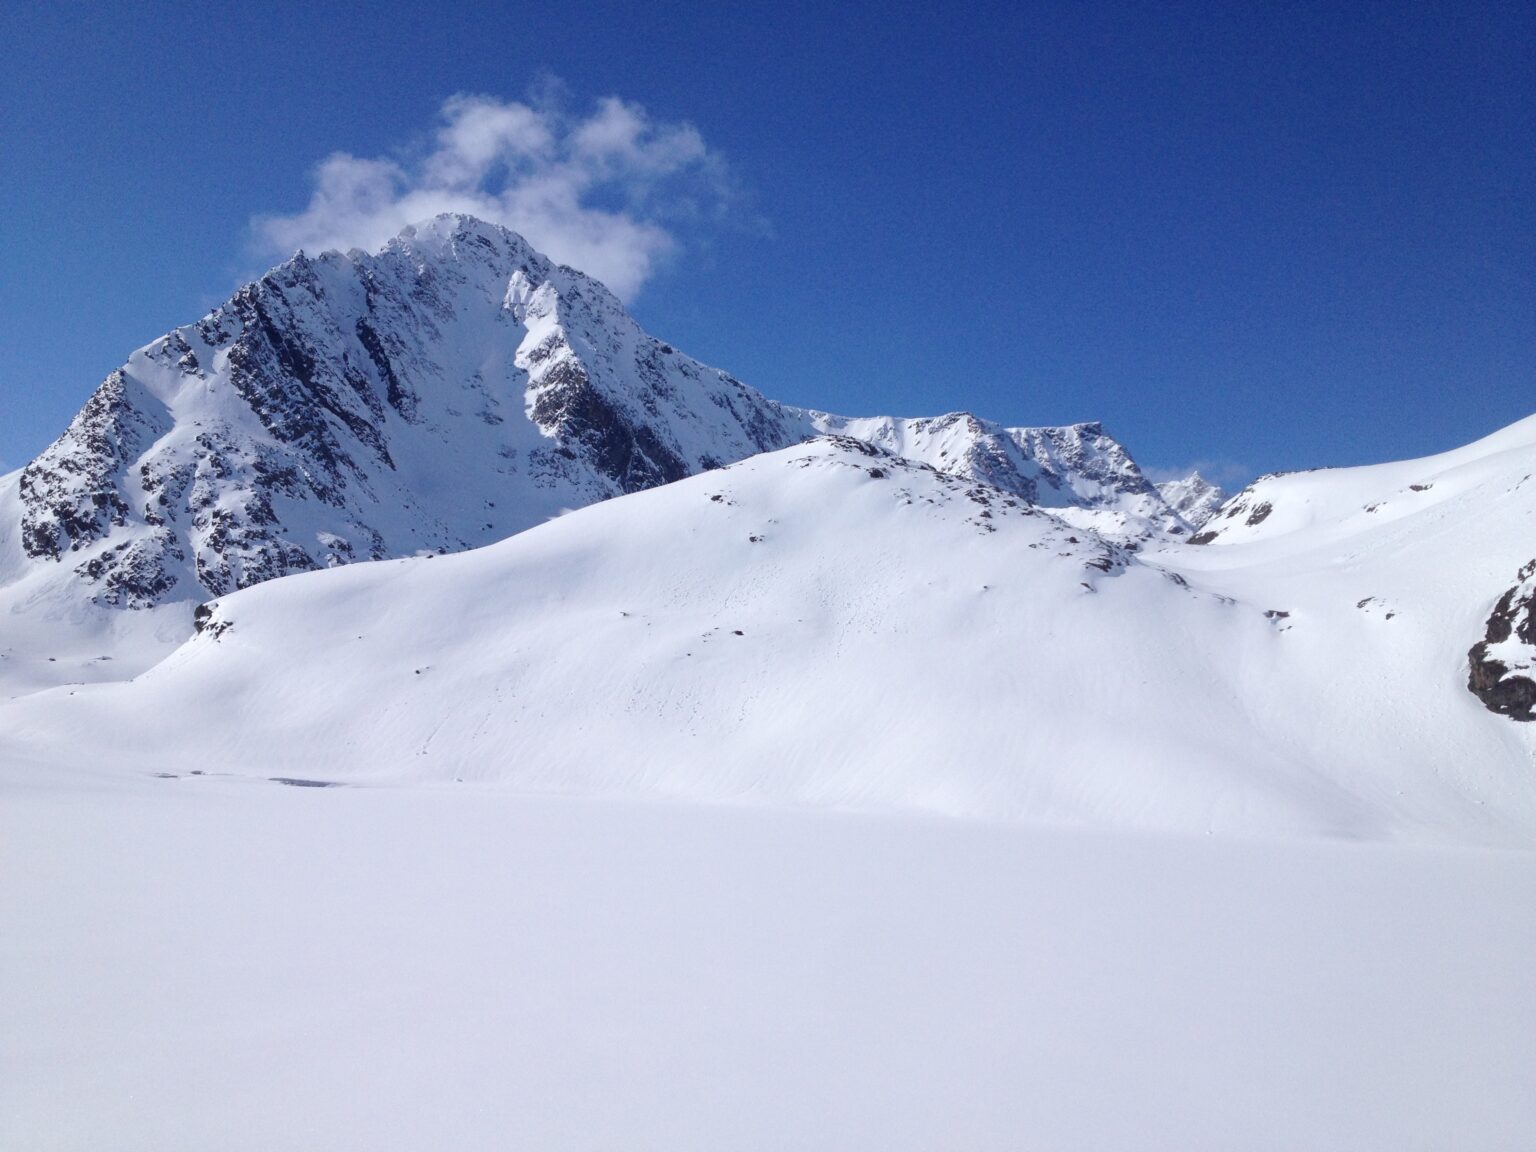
column 1077, row 470
column 1332, row 502
column 443, row 393
column 832, row 625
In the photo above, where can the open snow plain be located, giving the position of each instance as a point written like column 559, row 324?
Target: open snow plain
column 202, row 963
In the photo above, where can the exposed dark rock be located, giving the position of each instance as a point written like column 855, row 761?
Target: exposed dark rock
column 1502, row 690
column 69, row 493
column 630, row 452
column 1490, row 681
column 206, row 622
column 136, row 573
column 400, row 398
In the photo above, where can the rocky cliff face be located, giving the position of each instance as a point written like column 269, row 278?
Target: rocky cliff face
column 442, row 393
column 1501, row 667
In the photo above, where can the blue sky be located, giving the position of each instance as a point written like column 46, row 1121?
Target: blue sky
column 1262, row 236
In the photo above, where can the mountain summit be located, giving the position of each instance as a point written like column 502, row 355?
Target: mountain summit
column 447, row 391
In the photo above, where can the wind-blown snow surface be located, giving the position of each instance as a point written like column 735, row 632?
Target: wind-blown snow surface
column 831, row 626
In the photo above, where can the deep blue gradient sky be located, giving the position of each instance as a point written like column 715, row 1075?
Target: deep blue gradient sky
column 1272, row 235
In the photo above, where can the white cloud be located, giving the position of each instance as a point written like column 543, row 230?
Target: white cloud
column 602, row 193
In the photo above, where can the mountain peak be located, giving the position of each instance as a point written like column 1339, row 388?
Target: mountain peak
column 459, row 234
column 1193, row 497
column 444, row 392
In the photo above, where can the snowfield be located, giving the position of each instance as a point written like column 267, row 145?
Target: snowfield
column 234, row 964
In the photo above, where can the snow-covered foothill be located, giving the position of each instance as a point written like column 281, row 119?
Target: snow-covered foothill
column 833, row 626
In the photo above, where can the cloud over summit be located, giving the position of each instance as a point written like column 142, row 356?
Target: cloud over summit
column 602, row 193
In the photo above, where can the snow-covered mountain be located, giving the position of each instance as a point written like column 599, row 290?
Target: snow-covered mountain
column 445, row 392
column 832, row 625
column 399, row 817
column 942, row 614
column 1193, row 498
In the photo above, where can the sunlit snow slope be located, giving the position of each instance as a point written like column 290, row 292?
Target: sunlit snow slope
column 833, row 626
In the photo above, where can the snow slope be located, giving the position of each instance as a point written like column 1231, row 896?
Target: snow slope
column 1326, row 505
column 1399, row 570
column 827, row 625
